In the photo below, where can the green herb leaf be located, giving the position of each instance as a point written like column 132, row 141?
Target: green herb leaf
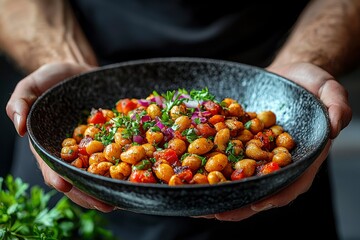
column 26, row 215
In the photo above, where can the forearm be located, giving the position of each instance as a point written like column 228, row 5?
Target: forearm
column 36, row 32
column 327, row 35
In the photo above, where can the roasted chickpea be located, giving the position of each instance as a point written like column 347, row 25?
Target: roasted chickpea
column 280, row 150
column 248, row 166
column 251, row 115
column 91, row 131
column 120, row 139
column 255, row 125
column 281, row 156
column 253, row 150
column 77, row 163
column 267, row 117
column 153, row 137
column 182, row 123
column 237, row 147
column 227, row 101
column 177, row 111
column 78, row 132
column 245, row 136
column 193, row 161
column 216, row 177
column 97, row 157
column 227, row 171
column 133, row 155
column 149, row 149
column 199, row 178
column 178, row 145
column 94, row 146
column 69, row 153
column 236, row 110
column 277, row 130
column 175, row 180
column 101, row 168
column 68, row 142
column 285, row 140
column 221, row 139
column 234, row 125
column 163, row 171
column 216, row 163
column 153, row 111
column 120, row 171
column 220, row 125
column 282, row 159
column 200, row 146
column 112, row 152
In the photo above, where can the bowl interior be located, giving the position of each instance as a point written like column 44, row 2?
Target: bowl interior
column 55, row 114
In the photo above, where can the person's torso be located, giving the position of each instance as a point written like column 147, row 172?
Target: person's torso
column 132, row 29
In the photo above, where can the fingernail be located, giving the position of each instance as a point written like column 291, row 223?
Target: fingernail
column 259, row 208
column 17, row 120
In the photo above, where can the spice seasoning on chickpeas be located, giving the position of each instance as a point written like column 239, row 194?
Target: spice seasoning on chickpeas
column 179, row 137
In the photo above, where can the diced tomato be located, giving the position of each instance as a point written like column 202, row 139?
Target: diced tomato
column 169, row 155
column 82, row 145
column 142, row 176
column 84, row 159
column 178, row 135
column 237, row 174
column 205, row 130
column 185, row 175
column 216, row 119
column 267, row 139
column 212, row 107
column 125, row 105
column 268, row 168
column 97, row 117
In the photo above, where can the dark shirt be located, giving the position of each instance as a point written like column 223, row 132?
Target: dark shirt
column 248, row 31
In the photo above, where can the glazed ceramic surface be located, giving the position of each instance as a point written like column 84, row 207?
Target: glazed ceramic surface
column 55, row 114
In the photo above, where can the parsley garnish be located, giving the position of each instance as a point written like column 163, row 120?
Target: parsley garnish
column 26, row 215
column 190, row 134
column 230, row 151
column 202, row 95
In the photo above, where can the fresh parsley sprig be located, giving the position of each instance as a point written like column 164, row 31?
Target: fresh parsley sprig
column 26, row 215
column 201, row 95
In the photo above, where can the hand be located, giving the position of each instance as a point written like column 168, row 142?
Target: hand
column 24, row 95
column 335, row 97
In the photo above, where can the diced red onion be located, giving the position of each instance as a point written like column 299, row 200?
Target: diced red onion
column 192, row 104
column 159, row 124
column 138, row 139
column 144, row 102
column 145, row 118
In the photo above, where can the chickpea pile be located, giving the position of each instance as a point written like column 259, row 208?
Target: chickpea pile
column 179, row 137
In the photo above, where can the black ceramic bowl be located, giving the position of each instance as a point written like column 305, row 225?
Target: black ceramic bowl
column 58, row 111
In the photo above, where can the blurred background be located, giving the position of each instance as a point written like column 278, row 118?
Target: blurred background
column 344, row 158
column 345, row 165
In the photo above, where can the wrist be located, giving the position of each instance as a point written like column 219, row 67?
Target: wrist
column 40, row 32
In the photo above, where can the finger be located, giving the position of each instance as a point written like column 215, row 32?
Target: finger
column 32, row 86
column 54, row 180
column 51, row 178
column 88, row 202
column 236, row 215
column 211, row 216
column 335, row 97
column 303, row 74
